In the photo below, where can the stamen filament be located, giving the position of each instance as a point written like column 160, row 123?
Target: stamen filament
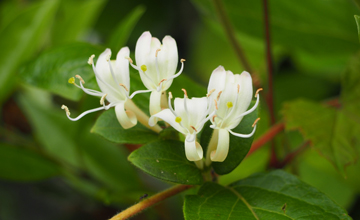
column 113, row 74
column 89, row 111
column 243, row 135
column 156, row 64
column 102, row 100
column 180, row 71
column 138, row 92
column 99, row 78
column 250, row 110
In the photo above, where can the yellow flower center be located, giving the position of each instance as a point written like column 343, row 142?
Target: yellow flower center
column 178, row 119
column 229, row 104
column 143, row 68
column 71, row 80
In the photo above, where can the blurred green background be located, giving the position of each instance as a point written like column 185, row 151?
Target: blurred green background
column 51, row 168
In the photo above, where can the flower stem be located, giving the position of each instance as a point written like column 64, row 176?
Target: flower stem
column 146, row 203
column 141, row 116
column 229, row 30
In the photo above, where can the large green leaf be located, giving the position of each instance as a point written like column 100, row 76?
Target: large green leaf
column 21, row 38
column 332, row 133
column 238, row 147
column 275, row 195
column 24, row 165
column 109, row 127
column 69, row 24
column 312, row 31
column 166, row 160
column 52, row 69
column 125, row 27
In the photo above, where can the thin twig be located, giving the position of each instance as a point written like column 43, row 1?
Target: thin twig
column 268, row 136
column 146, row 203
column 230, row 33
column 288, row 158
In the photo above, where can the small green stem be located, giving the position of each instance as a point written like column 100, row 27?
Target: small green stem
column 146, row 203
column 199, row 164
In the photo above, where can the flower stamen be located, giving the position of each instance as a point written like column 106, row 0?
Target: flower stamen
column 81, row 79
column 91, row 59
column 66, row 109
column 124, row 87
column 211, row 91
column 193, row 128
column 71, row 80
column 255, row 122
column 257, row 92
column 143, row 68
column 102, row 100
column 229, row 104
column 178, row 119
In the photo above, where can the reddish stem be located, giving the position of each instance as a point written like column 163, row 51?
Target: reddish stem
column 293, row 154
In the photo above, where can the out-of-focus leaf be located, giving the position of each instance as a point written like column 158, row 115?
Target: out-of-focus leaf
column 166, row 160
column 74, row 18
column 311, row 29
column 52, row 130
column 275, row 195
column 24, row 165
column 52, row 69
column 123, row 30
column 109, row 127
column 332, row 133
column 21, row 38
column 238, row 147
column 357, row 19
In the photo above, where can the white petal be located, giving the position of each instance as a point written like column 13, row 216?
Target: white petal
column 197, row 111
column 193, row 150
column 103, row 70
column 155, row 102
column 222, row 149
column 127, row 119
column 142, row 48
column 122, row 67
column 168, row 58
column 169, row 117
column 217, row 80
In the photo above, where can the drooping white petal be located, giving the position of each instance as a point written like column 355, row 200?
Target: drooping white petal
column 142, row 48
column 155, row 102
column 122, row 67
column 193, row 150
column 127, row 119
column 169, row 117
column 222, row 149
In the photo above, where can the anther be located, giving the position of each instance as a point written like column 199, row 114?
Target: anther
column 256, row 121
column 229, row 104
column 66, row 109
column 124, row 87
column 71, row 80
column 185, row 93
column 182, row 60
column 102, row 100
column 211, row 91
column 91, row 59
column 128, row 58
column 143, row 68
column 213, row 118
column 162, row 81
column 81, row 79
column 108, row 57
column 170, row 95
column 257, row 92
column 157, row 51
column 238, row 87
column 178, row 119
column 218, row 96
column 216, row 105
column 193, row 128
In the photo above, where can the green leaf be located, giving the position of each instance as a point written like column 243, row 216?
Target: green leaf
column 357, row 19
column 24, row 165
column 21, row 38
column 332, row 133
column 122, row 32
column 52, row 69
column 275, row 195
column 69, row 24
column 109, row 127
column 166, row 160
column 52, row 129
column 238, row 147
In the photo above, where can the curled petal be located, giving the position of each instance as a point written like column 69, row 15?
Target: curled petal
column 122, row 67
column 193, row 150
column 222, row 149
column 155, row 102
column 127, row 119
column 169, row 117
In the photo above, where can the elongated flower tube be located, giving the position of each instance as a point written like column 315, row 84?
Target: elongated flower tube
column 113, row 79
column 157, row 65
column 232, row 94
column 188, row 117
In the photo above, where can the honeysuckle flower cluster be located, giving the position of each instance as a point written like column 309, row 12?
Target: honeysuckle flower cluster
column 226, row 103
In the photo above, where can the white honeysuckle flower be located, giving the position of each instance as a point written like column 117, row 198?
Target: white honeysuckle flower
column 113, row 79
column 188, row 117
column 157, row 65
column 232, row 95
